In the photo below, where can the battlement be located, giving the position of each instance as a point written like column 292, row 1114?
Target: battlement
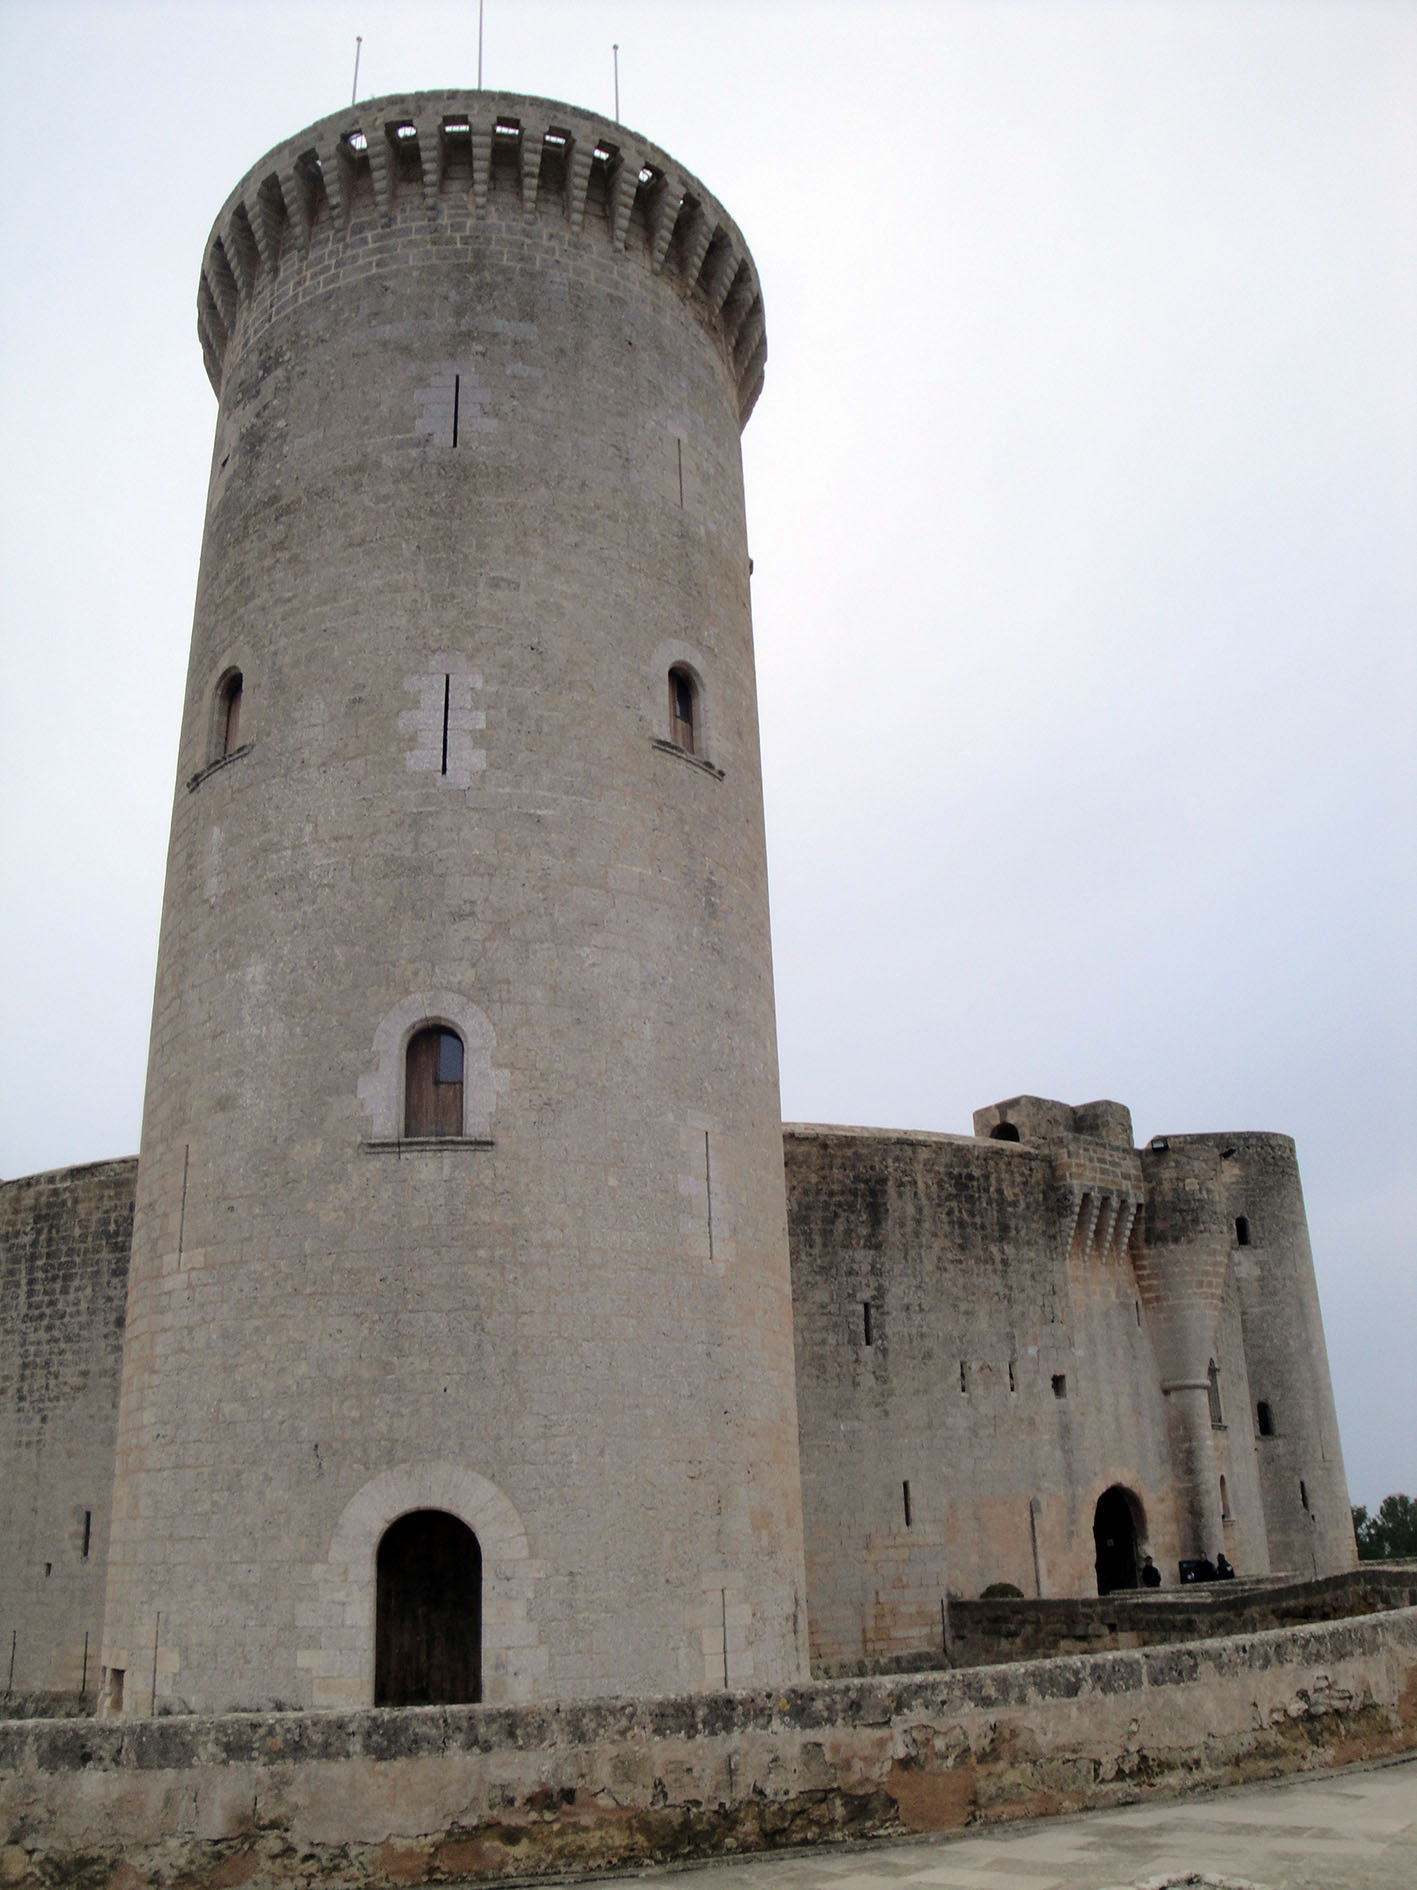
column 450, row 154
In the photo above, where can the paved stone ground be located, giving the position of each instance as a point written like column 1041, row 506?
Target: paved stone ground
column 1350, row 1830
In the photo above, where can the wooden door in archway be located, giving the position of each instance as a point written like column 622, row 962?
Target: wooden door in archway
column 1115, row 1529
column 428, row 1612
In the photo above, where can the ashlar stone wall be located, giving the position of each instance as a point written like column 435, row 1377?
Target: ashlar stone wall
column 64, row 1241
column 993, row 1331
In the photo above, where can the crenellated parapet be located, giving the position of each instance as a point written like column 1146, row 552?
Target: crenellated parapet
column 452, row 156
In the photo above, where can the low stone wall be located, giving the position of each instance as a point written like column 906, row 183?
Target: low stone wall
column 985, row 1632
column 441, row 1794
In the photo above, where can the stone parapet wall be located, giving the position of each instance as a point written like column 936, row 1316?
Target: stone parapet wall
column 439, row 156
column 984, row 1632
column 426, row 1795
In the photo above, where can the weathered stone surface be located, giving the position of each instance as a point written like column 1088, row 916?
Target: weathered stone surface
column 476, row 489
column 438, row 1794
column 64, row 1243
column 991, row 1334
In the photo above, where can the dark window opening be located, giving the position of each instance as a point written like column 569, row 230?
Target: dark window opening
column 866, row 1319
column 447, row 691
column 228, row 727
column 1013, row 1381
column 457, row 150
column 1242, row 1231
column 433, row 1084
column 1303, row 1493
column 963, row 1376
column 1003, row 1132
column 457, row 402
column 88, row 1532
column 1060, row 1384
column 506, row 154
column 1224, row 1502
column 554, row 147
column 428, row 1612
column 683, row 710
column 905, row 1497
column 1264, row 1417
column 1217, row 1416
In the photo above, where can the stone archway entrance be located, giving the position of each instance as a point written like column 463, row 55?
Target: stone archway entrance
column 1117, row 1527
column 428, row 1612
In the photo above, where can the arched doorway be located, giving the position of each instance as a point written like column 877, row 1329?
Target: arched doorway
column 1117, row 1526
column 428, row 1612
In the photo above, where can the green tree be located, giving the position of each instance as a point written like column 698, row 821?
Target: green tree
column 1393, row 1531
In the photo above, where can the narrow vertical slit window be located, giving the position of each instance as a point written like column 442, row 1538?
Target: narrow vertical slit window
column 1303, row 1493
column 226, row 732
column 1217, row 1416
column 683, row 711
column 963, row 1376
column 866, row 1320
column 1013, row 1377
column 679, row 448
column 447, row 701
column 1264, row 1419
column 1242, row 1231
column 457, row 397
column 88, row 1532
column 905, row 1499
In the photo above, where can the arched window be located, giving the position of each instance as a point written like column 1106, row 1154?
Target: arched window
column 683, row 710
column 432, row 1096
column 428, row 1612
column 227, row 732
column 1003, row 1132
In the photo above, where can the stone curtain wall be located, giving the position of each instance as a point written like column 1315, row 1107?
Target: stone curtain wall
column 427, row 1795
column 64, row 1239
column 1007, row 1375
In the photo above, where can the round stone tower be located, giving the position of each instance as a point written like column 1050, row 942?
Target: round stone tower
column 459, row 1358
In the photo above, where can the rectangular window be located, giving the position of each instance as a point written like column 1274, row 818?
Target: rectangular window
column 1060, row 1384
column 905, row 1497
column 449, row 1058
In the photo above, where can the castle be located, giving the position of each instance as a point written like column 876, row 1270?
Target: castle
column 469, row 1327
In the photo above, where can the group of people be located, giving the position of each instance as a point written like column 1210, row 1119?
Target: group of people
column 1201, row 1570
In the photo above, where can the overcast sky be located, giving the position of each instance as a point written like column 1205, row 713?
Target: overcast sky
column 1081, row 494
